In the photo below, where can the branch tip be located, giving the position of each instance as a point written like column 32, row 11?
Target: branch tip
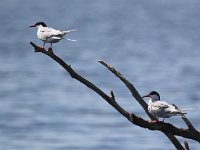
column 98, row 60
column 37, row 48
column 112, row 95
column 34, row 45
column 186, row 145
column 187, row 122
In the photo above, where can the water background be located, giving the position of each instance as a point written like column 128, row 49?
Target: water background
column 154, row 44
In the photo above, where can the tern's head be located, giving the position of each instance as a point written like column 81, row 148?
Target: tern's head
column 153, row 95
column 39, row 24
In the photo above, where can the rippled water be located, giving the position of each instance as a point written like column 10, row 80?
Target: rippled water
column 155, row 44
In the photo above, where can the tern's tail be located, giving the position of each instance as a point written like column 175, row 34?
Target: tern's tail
column 186, row 109
column 67, row 31
column 182, row 110
column 69, row 39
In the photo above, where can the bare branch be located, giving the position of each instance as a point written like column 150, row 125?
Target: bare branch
column 166, row 128
column 130, row 86
column 138, row 98
column 78, row 77
column 159, row 126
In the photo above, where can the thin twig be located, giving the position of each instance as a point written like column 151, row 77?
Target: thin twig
column 187, row 122
column 112, row 95
column 186, row 145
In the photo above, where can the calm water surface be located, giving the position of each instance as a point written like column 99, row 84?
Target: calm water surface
column 155, row 44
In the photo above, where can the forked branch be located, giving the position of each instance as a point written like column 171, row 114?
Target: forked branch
column 168, row 129
column 137, row 96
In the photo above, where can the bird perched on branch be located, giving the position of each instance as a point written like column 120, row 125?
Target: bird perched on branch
column 50, row 35
column 161, row 109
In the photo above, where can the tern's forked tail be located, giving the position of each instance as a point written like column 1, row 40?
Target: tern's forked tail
column 67, row 31
column 182, row 110
column 69, row 39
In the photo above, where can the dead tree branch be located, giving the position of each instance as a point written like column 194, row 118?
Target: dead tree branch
column 78, row 77
column 168, row 129
column 187, row 122
column 137, row 96
column 139, row 99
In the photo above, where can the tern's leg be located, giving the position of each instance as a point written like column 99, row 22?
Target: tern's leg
column 51, row 45
column 43, row 44
column 163, row 119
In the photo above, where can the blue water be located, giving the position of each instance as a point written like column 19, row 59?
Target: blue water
column 155, row 44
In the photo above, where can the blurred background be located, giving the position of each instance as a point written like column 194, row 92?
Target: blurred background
column 154, row 44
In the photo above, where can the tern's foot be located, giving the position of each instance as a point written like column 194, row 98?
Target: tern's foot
column 153, row 121
column 50, row 49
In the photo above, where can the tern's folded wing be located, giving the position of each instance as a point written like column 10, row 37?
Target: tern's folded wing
column 47, row 32
column 160, row 105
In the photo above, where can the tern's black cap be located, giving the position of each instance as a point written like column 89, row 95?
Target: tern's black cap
column 40, row 23
column 154, row 93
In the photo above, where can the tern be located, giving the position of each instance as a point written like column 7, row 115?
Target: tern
column 161, row 109
column 50, row 35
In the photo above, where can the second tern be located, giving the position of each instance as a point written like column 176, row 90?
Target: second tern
column 161, row 109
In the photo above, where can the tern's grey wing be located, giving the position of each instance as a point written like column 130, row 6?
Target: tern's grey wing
column 57, row 33
column 47, row 32
column 160, row 105
column 159, row 108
